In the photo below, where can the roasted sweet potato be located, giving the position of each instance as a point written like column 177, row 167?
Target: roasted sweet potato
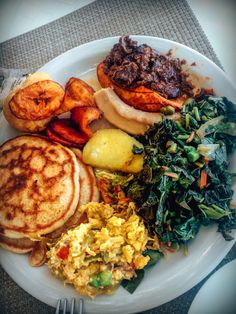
column 103, row 79
column 145, row 99
column 37, row 101
column 77, row 94
column 83, row 116
column 64, row 129
column 140, row 97
column 39, row 254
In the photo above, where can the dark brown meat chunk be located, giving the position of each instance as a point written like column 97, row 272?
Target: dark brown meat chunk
column 129, row 65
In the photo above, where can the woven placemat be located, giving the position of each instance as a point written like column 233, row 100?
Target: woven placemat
column 168, row 19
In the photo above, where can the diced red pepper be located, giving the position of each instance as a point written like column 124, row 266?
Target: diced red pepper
column 63, row 253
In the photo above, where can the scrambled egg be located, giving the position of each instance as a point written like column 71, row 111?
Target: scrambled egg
column 98, row 254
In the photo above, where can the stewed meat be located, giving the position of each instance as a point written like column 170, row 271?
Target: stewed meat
column 129, row 65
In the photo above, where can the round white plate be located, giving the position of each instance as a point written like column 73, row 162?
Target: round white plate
column 169, row 278
column 218, row 294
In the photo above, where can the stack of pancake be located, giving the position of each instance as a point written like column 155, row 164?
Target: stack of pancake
column 42, row 185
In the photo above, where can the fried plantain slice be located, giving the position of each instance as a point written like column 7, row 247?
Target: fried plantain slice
column 64, row 129
column 141, row 98
column 39, row 254
column 37, row 101
column 56, row 138
column 77, row 94
column 83, row 116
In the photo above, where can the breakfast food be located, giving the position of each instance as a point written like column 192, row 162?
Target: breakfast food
column 77, row 94
column 20, row 246
column 110, row 104
column 64, row 132
column 140, row 97
column 88, row 187
column 185, row 179
column 74, row 210
column 84, row 116
column 88, row 193
column 20, row 124
column 125, row 117
column 38, row 255
column 37, row 101
column 130, row 66
column 39, row 186
column 98, row 254
column 75, row 130
column 113, row 149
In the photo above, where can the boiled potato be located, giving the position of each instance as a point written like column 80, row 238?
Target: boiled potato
column 112, row 149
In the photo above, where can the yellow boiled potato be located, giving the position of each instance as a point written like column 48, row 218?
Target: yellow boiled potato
column 112, row 149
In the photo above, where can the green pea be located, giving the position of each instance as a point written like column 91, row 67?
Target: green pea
column 193, row 156
column 106, row 277
column 167, row 110
column 96, row 281
column 192, row 153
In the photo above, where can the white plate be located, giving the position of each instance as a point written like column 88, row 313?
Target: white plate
column 169, row 278
column 218, row 294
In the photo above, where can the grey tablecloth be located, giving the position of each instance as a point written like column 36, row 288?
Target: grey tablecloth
column 169, row 19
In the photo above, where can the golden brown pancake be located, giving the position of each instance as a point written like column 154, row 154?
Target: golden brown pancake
column 39, row 186
column 88, row 193
column 19, row 246
column 89, row 190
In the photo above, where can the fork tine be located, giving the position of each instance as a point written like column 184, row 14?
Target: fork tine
column 64, row 306
column 81, row 306
column 72, row 307
column 58, row 307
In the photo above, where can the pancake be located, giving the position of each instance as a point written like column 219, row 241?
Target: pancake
column 88, row 193
column 95, row 191
column 89, row 190
column 20, row 246
column 39, row 186
column 75, row 220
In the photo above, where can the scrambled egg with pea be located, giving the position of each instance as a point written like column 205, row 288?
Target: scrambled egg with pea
column 98, row 254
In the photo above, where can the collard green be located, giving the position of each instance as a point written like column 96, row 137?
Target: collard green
column 170, row 193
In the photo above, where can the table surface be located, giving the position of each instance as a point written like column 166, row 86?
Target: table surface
column 217, row 18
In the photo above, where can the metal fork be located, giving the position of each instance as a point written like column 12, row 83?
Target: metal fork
column 72, row 306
